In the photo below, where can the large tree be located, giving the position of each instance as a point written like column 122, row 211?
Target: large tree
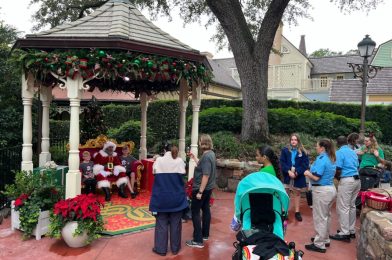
column 324, row 53
column 249, row 27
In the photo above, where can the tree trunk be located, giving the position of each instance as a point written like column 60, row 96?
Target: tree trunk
column 251, row 58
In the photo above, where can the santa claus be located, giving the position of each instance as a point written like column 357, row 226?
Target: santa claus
column 107, row 167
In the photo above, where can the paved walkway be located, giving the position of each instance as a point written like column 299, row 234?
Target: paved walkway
column 138, row 245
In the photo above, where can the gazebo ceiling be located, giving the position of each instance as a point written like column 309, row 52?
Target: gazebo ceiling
column 115, row 25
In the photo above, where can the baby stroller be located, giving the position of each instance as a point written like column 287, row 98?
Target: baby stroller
column 370, row 178
column 261, row 206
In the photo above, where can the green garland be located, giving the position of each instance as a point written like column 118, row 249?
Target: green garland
column 115, row 70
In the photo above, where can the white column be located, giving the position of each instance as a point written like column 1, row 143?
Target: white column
column 196, row 101
column 27, row 146
column 73, row 180
column 183, row 100
column 46, row 98
column 143, row 127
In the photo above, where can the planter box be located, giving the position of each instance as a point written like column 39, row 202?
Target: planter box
column 59, row 175
column 43, row 222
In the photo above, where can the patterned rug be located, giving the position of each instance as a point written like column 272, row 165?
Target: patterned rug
column 127, row 215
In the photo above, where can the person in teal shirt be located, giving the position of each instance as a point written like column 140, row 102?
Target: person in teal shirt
column 370, row 153
column 267, row 157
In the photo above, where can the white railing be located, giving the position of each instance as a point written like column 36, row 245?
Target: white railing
column 316, row 84
column 285, row 76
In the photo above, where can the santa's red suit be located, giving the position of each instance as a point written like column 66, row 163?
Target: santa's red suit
column 108, row 167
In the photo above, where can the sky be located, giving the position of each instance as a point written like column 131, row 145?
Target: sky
column 330, row 28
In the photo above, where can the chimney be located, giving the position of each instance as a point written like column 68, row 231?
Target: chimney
column 302, row 46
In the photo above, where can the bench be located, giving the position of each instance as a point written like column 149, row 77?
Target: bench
column 95, row 145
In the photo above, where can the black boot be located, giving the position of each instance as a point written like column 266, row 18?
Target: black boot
column 121, row 191
column 106, row 190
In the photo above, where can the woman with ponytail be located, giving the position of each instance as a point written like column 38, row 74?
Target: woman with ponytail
column 321, row 176
column 266, row 156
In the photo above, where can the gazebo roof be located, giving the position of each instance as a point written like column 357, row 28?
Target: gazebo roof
column 115, row 25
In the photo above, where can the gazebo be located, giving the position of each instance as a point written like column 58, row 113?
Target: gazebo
column 114, row 49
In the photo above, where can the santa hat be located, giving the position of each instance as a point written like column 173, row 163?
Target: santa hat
column 109, row 144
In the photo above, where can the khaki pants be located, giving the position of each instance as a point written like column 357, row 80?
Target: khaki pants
column 345, row 204
column 323, row 197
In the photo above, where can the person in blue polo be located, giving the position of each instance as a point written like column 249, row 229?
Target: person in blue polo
column 321, row 175
column 349, row 185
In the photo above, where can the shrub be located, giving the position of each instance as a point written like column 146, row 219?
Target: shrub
column 130, row 131
column 284, row 121
column 219, row 119
column 228, row 145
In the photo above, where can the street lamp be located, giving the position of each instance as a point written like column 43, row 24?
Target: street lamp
column 365, row 72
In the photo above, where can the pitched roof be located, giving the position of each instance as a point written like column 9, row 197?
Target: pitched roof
column 334, row 64
column 350, row 90
column 222, row 73
column 115, row 25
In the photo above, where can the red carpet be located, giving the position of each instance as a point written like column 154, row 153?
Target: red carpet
column 127, row 215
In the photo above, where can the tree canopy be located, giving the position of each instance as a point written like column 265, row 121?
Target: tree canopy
column 324, row 53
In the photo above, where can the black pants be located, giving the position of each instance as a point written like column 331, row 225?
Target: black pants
column 168, row 222
column 201, row 227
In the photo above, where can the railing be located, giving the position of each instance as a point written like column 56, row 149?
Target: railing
column 58, row 150
column 10, row 161
column 316, row 84
column 285, row 76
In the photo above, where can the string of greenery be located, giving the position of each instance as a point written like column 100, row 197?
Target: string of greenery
column 115, row 70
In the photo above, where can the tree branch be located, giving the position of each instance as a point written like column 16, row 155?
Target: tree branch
column 87, row 6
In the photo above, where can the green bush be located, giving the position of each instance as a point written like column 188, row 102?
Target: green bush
column 130, row 131
column 116, row 115
column 317, row 123
column 219, row 119
column 228, row 145
column 284, row 121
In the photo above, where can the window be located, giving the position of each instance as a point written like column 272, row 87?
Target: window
column 339, row 77
column 284, row 49
column 323, row 81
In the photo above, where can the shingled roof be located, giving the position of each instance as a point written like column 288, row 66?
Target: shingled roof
column 115, row 25
column 334, row 64
column 350, row 90
column 221, row 69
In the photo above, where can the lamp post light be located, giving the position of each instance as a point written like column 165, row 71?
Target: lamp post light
column 365, row 72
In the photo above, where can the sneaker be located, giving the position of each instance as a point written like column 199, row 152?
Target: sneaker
column 326, row 244
column 313, row 247
column 192, row 243
column 298, row 216
column 205, row 238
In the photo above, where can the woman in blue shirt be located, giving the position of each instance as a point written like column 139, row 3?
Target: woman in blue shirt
column 294, row 161
column 321, row 176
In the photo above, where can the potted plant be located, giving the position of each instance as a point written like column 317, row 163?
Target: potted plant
column 34, row 195
column 77, row 220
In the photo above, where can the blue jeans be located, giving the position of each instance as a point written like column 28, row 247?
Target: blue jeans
column 201, row 226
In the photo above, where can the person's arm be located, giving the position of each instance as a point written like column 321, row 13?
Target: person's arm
column 204, row 181
column 283, row 162
column 206, row 168
column 311, row 175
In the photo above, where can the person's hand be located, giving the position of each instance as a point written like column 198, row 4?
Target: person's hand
column 191, row 155
column 198, row 196
column 307, row 173
column 291, row 174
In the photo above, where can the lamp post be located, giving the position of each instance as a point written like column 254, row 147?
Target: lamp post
column 365, row 72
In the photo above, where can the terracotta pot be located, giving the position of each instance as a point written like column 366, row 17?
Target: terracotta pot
column 71, row 240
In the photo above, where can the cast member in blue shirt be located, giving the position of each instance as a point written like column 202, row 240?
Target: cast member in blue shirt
column 349, row 185
column 294, row 161
column 321, row 175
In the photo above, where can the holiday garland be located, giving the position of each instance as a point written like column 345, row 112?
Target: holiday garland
column 115, row 70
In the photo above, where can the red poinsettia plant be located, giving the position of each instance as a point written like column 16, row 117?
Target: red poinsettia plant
column 20, row 201
column 188, row 190
column 85, row 209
